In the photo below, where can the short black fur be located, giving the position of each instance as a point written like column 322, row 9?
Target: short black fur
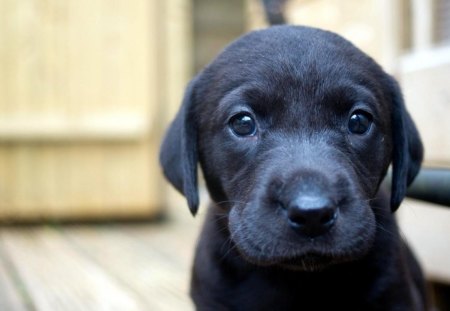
column 298, row 219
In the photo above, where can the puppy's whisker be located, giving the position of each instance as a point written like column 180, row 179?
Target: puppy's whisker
column 226, row 248
column 370, row 200
column 389, row 232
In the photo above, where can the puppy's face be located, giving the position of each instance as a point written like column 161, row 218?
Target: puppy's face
column 294, row 135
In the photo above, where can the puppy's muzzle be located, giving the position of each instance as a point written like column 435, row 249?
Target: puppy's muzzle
column 307, row 199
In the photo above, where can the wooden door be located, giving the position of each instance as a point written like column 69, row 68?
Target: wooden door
column 81, row 96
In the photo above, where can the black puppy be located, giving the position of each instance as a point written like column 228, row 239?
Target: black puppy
column 294, row 129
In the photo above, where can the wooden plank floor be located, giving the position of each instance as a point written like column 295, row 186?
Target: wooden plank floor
column 98, row 267
column 146, row 266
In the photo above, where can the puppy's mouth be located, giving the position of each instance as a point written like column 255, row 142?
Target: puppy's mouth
column 311, row 262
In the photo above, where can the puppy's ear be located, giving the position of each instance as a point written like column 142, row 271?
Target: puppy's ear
column 178, row 155
column 407, row 149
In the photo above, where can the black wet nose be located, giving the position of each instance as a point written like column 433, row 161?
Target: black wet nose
column 311, row 215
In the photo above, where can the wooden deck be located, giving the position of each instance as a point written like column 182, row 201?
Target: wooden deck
column 146, row 266
column 98, row 267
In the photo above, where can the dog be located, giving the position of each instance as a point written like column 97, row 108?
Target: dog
column 294, row 129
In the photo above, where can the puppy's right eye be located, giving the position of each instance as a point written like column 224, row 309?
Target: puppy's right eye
column 243, row 124
column 359, row 122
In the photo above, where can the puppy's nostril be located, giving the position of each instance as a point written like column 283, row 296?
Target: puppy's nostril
column 329, row 216
column 296, row 218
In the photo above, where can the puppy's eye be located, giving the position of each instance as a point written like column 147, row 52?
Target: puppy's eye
column 360, row 122
column 243, row 124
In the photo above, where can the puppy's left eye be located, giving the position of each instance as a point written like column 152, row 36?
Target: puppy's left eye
column 243, row 124
column 360, row 122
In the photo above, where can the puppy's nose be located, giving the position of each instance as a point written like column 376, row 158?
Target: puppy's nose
column 311, row 215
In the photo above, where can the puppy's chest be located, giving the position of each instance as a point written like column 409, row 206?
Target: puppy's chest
column 261, row 294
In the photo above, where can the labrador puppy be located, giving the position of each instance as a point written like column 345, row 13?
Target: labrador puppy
column 294, row 129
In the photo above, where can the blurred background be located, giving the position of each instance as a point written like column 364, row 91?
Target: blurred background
column 86, row 91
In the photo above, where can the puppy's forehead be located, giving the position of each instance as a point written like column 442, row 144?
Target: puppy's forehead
column 291, row 49
column 288, row 64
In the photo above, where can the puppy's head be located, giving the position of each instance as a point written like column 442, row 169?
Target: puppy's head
column 294, row 129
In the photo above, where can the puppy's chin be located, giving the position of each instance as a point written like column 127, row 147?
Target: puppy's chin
column 316, row 263
column 305, row 263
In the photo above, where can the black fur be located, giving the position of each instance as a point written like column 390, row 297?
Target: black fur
column 300, row 85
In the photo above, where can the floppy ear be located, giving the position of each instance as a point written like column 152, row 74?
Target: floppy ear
column 178, row 155
column 407, row 149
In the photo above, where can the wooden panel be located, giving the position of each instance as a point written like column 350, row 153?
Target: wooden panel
column 77, row 181
column 426, row 228
column 216, row 23
column 424, row 77
column 442, row 21
column 422, row 20
column 84, row 90
column 104, row 127
column 74, row 58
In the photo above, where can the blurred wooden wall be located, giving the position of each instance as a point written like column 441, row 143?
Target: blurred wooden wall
column 215, row 24
column 84, row 90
